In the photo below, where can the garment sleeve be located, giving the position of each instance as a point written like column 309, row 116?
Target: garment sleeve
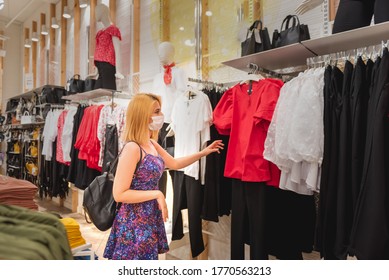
column 103, row 118
column 222, row 115
column 267, row 105
column 205, row 135
column 114, row 32
column 67, row 134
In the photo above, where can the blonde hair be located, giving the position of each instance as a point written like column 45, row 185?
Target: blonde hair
column 138, row 116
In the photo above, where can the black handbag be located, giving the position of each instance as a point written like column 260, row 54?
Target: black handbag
column 99, row 204
column 295, row 33
column 76, row 84
column 257, row 39
column 89, row 84
column 52, row 96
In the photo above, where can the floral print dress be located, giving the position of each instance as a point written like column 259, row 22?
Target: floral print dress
column 138, row 231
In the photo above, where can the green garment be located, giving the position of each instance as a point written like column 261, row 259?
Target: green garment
column 19, row 248
column 40, row 227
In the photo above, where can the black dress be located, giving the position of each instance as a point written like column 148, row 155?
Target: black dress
column 370, row 233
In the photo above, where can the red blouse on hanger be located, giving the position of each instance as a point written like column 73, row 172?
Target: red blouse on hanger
column 87, row 142
column 246, row 118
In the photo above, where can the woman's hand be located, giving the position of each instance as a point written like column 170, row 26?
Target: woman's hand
column 216, row 146
column 162, row 206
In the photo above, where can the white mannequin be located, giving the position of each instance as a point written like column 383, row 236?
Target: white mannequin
column 166, row 53
column 307, row 5
column 102, row 15
column 169, row 92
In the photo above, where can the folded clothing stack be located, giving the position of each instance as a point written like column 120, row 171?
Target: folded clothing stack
column 27, row 234
column 17, row 192
column 73, row 232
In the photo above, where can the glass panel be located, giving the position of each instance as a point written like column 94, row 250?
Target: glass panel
column 182, row 31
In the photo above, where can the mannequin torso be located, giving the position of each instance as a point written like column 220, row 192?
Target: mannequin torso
column 111, row 33
column 172, row 82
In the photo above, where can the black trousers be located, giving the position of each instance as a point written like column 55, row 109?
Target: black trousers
column 188, row 194
column 354, row 14
column 106, row 78
column 248, row 221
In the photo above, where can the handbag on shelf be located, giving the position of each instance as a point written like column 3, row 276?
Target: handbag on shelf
column 257, row 39
column 89, row 84
column 32, row 168
column 76, row 85
column 52, row 96
column 16, row 148
column 27, row 118
column 99, row 205
column 33, row 150
column 290, row 33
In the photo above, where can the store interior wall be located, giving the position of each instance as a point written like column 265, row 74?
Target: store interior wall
column 12, row 72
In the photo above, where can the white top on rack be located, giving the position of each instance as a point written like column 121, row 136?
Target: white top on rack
column 96, row 93
column 296, row 54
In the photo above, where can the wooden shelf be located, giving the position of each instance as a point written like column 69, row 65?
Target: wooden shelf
column 292, row 58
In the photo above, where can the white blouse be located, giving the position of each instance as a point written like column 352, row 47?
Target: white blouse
column 295, row 138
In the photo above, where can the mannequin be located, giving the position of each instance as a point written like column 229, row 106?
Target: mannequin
column 169, row 84
column 107, row 53
column 352, row 14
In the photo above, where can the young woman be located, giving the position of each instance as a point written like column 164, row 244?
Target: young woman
column 138, row 232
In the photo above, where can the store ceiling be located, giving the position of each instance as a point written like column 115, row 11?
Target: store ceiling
column 20, row 10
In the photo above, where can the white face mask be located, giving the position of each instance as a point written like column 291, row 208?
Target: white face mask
column 157, row 122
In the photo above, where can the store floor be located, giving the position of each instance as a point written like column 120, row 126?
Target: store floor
column 98, row 239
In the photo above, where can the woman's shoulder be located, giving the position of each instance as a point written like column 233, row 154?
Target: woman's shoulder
column 131, row 147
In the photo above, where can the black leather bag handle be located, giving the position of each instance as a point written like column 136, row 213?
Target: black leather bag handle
column 296, row 21
column 255, row 25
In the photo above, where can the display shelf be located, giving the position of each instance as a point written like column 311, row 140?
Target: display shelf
column 96, row 93
column 28, row 156
column 14, row 167
column 21, row 126
column 274, row 59
column 349, row 40
column 291, row 57
column 38, row 90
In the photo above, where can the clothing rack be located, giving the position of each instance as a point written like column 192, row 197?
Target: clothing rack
column 369, row 52
column 199, row 81
column 255, row 68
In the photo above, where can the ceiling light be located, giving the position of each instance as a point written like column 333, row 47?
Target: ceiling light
column 54, row 23
column 83, row 4
column 189, row 43
column 182, row 28
column 1, row 4
column 44, row 30
column 66, row 12
column 208, row 13
column 27, row 43
column 34, row 37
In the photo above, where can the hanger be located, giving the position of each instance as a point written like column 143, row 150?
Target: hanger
column 252, row 75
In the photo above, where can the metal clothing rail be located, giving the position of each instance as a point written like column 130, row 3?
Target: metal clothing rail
column 199, row 81
column 369, row 52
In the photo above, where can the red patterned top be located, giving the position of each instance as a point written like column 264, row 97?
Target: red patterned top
column 60, row 125
column 105, row 50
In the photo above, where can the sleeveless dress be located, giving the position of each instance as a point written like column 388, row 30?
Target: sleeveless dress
column 138, row 231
